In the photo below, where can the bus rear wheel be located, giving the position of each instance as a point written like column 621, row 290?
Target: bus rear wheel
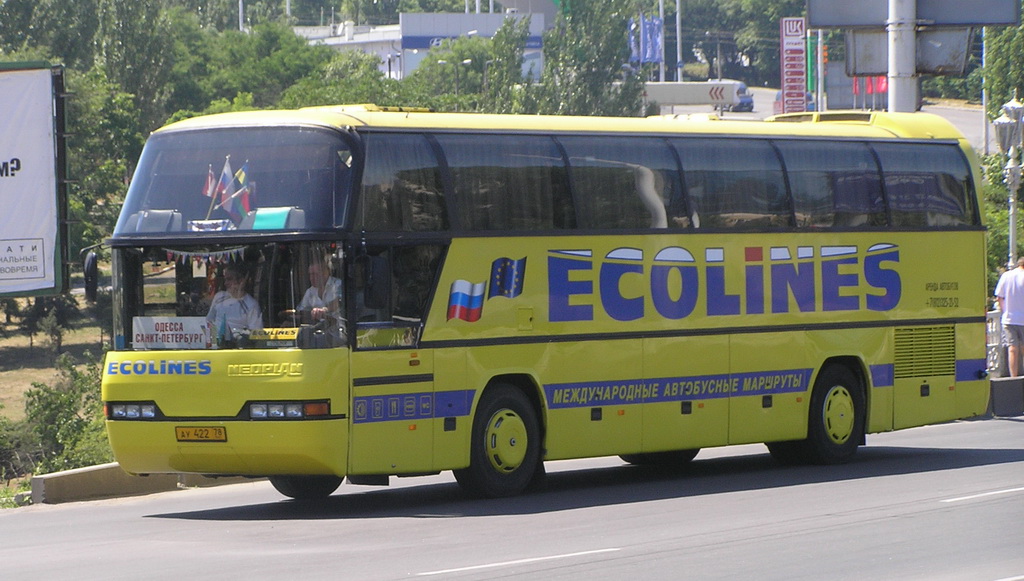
column 505, row 447
column 835, row 425
column 673, row 458
column 306, row 487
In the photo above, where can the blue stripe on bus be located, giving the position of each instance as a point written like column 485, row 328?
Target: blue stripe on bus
column 883, row 375
column 971, row 369
column 411, row 406
column 667, row 389
column 966, row 370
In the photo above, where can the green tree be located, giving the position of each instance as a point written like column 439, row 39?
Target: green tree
column 136, row 53
column 350, row 77
column 106, row 140
column 264, row 62
column 505, row 89
column 458, row 66
column 63, row 28
column 194, row 46
column 584, row 55
column 755, row 24
column 241, row 102
column 1004, row 76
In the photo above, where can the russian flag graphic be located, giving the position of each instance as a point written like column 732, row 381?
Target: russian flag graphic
column 466, row 300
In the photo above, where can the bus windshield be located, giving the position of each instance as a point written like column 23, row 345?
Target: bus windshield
column 266, row 296
column 255, row 178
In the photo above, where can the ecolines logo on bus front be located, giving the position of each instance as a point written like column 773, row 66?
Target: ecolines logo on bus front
column 829, row 278
column 161, row 367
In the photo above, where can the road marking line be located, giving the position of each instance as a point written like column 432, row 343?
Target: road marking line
column 993, row 493
column 516, row 562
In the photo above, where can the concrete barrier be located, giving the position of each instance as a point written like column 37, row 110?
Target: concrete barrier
column 93, row 482
column 110, row 481
column 1007, row 396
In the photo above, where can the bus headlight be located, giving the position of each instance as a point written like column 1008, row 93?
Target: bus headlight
column 131, row 411
column 288, row 410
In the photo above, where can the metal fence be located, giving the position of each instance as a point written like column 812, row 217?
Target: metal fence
column 994, row 349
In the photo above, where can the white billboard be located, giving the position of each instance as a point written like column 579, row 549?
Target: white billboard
column 30, row 218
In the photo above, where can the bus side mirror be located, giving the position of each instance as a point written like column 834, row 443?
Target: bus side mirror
column 378, row 282
column 91, row 270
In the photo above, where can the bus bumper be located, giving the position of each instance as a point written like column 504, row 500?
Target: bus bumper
column 310, row 447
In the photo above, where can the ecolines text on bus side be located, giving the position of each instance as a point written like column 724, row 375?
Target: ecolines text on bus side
column 825, row 278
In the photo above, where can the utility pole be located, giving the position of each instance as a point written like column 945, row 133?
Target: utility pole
column 901, row 28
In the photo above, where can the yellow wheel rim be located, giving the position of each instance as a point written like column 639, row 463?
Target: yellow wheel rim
column 506, row 441
column 838, row 414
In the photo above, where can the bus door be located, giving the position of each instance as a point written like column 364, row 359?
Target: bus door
column 392, row 379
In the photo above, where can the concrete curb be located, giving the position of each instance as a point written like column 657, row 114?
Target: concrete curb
column 110, row 481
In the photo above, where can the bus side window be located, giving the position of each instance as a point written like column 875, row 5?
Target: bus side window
column 926, row 184
column 401, row 186
column 735, row 183
column 508, row 182
column 623, row 183
column 838, row 185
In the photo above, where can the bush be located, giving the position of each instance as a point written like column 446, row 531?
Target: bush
column 67, row 418
column 19, row 450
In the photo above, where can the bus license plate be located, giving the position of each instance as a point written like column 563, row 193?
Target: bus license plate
column 201, row 434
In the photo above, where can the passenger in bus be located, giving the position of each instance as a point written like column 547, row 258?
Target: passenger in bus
column 233, row 311
column 322, row 298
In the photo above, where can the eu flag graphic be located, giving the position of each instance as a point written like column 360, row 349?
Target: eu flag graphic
column 507, row 277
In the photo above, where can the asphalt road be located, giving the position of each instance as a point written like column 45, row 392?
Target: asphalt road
column 941, row 502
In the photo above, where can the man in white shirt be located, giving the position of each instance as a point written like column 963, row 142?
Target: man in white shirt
column 1010, row 296
column 323, row 298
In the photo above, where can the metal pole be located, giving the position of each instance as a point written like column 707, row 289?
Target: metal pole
column 1013, row 173
column 718, row 56
column 819, row 94
column 679, row 42
column 901, row 29
column 1008, row 131
column 661, row 15
column 984, row 90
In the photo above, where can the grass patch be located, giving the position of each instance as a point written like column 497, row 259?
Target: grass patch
column 21, row 364
column 9, row 490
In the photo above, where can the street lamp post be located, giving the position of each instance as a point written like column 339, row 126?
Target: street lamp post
column 456, row 65
column 1008, row 134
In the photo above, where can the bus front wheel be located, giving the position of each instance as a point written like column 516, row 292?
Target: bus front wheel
column 306, row 487
column 505, row 445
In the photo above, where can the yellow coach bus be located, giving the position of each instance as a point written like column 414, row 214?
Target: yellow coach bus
column 361, row 292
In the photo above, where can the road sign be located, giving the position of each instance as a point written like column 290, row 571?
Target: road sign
column 721, row 93
column 875, row 13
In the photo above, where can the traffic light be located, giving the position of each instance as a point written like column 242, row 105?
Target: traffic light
column 824, row 53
